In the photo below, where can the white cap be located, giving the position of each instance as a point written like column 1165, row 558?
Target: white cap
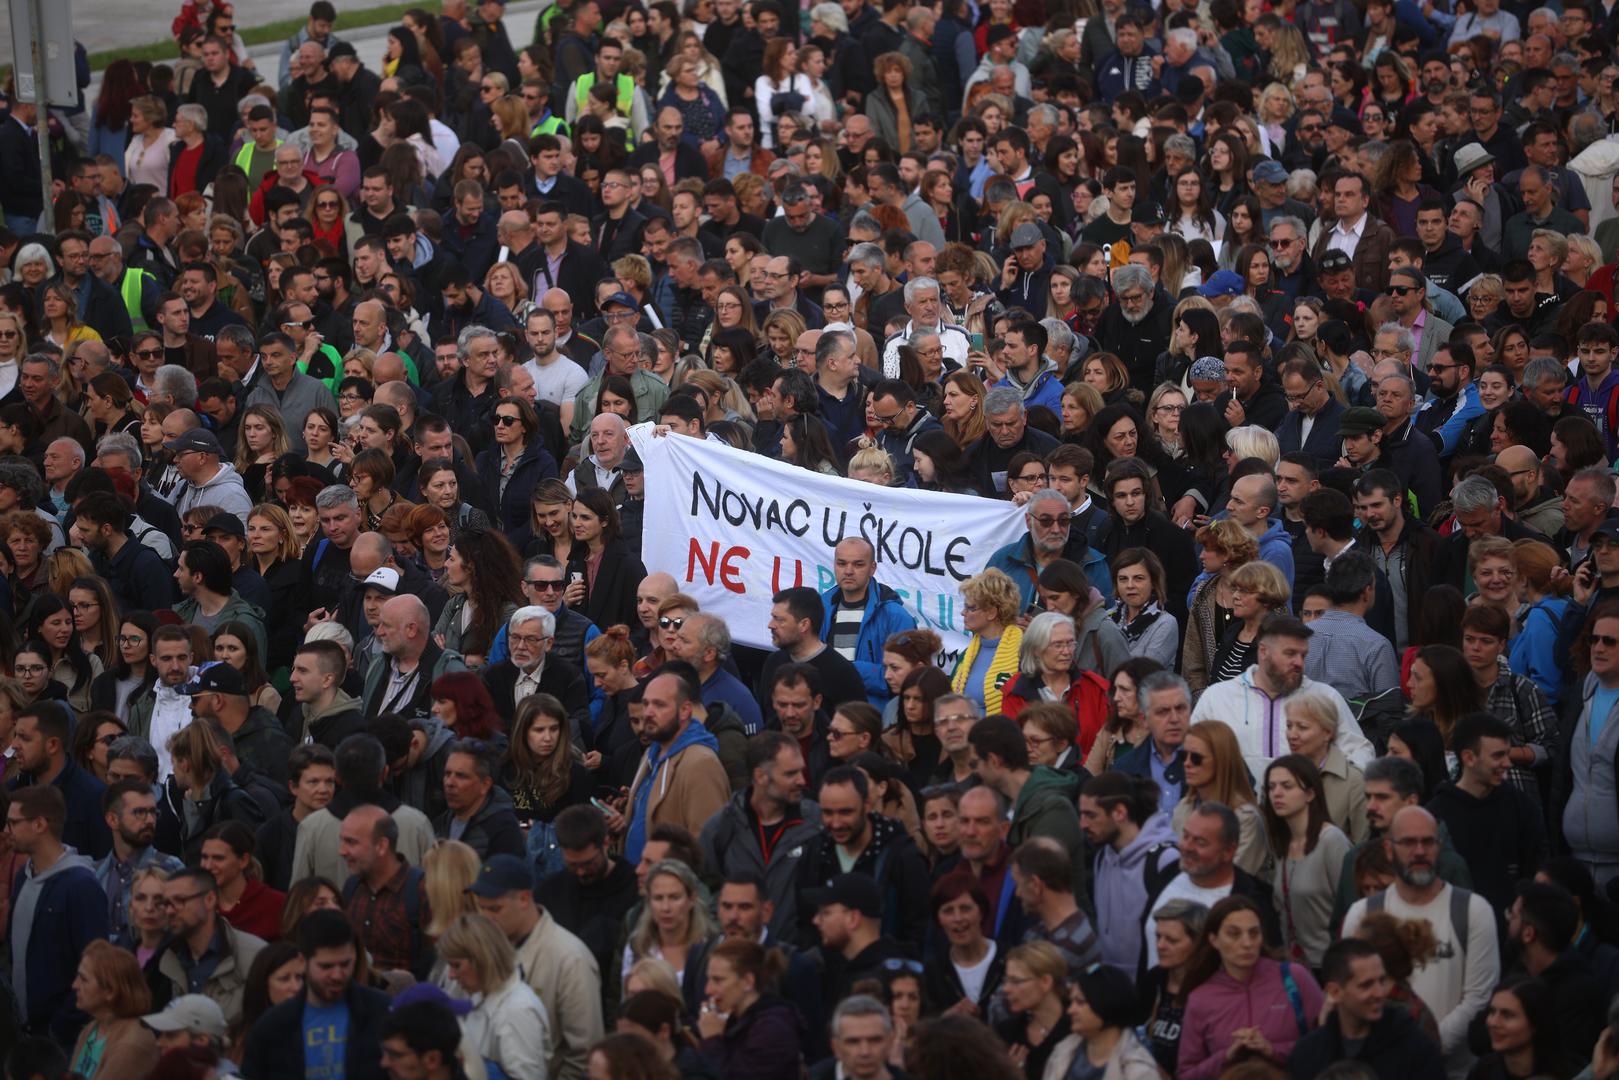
column 384, row 578
column 192, row 1012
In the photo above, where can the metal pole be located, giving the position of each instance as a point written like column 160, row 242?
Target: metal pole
column 42, row 107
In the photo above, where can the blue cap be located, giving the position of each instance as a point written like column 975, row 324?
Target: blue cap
column 500, row 875
column 1270, row 172
column 425, row 991
column 1222, row 283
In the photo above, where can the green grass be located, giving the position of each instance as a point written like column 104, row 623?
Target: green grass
column 347, row 19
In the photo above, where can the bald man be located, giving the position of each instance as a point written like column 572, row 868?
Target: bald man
column 1457, row 982
column 1533, row 503
column 408, row 661
column 1253, row 505
column 609, row 440
column 516, row 232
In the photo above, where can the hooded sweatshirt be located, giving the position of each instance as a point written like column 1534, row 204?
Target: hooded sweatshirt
column 225, row 491
column 23, row 910
column 1276, row 547
column 1046, row 807
column 1044, row 389
column 1122, row 896
column 657, row 772
column 336, row 721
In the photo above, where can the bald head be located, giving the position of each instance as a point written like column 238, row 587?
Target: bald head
column 1252, row 500
column 513, row 225
column 387, row 368
column 370, row 552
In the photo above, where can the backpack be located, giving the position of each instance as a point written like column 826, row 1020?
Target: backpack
column 1460, row 916
column 1610, row 414
column 1295, row 999
column 420, row 954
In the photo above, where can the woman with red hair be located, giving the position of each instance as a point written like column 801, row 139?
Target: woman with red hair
column 462, row 703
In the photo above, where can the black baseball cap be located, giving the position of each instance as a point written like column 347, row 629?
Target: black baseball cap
column 858, row 892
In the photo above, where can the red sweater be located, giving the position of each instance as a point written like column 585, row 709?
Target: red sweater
column 258, row 912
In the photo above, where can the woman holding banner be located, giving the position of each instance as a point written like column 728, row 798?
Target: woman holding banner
column 989, row 611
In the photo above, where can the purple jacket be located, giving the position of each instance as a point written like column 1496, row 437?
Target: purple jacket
column 1223, row 1005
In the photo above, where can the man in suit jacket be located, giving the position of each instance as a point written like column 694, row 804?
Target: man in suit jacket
column 1311, row 423
column 1358, row 234
column 670, row 127
column 569, row 266
column 528, row 671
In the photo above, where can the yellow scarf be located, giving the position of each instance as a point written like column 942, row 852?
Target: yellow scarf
column 1003, row 667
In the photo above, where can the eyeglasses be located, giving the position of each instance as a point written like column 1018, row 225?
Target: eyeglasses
column 8, row 334
column 130, row 639
column 1169, row 409
column 30, row 669
column 84, row 605
column 1605, row 640
column 1031, row 478
column 1046, row 521
column 350, row 395
column 503, row 420
column 1295, row 398
column 179, row 901
column 666, row 623
column 108, row 740
column 833, row 734
column 1309, row 129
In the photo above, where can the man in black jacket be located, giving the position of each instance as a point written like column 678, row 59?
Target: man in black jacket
column 569, row 267
column 276, row 1044
column 1361, row 1027
column 531, row 669
column 591, row 895
column 477, row 813
column 617, row 230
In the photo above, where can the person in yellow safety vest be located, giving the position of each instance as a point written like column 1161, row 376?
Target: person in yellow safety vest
column 631, row 102
column 138, row 289
column 257, row 154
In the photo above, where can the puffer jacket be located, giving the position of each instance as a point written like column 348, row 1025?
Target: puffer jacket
column 1130, row 1060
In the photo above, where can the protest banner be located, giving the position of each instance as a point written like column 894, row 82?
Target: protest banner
column 734, row 528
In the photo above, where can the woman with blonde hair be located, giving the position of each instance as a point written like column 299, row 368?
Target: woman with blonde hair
column 449, row 868
column 781, row 330
column 673, row 920
column 1257, row 590
column 505, row 283
column 726, row 400
column 1494, row 571
column 1544, row 593
column 1225, row 546
column 991, row 604
column 508, row 1023
column 1276, row 108
column 1312, row 730
column 1583, row 258
column 1034, row 989
column 61, row 317
column 871, row 463
column 1217, row 772
column 110, row 989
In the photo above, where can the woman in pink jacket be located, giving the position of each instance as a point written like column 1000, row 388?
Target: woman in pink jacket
column 1242, row 1003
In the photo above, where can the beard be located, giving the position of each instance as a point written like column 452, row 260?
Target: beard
column 1418, row 877
column 1135, row 320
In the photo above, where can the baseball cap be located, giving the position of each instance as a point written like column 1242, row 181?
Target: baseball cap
column 631, row 462
column 200, row 439
column 623, row 299
column 1221, row 283
column 1270, row 172
column 1147, row 213
column 191, row 1012
column 227, row 523
column 218, row 678
column 1361, row 421
column 426, row 992
column 1027, row 234
column 500, row 875
column 383, row 579
column 857, row 892
column 1608, row 528
column 1333, row 261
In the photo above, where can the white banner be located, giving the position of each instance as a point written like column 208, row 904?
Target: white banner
column 734, row 528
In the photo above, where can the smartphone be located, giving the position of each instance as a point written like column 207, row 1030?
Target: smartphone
column 603, row 807
column 976, row 342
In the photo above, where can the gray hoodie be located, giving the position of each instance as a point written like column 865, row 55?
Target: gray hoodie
column 225, row 490
column 1122, row 897
column 22, row 914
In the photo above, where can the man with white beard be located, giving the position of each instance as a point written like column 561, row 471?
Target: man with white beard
column 1136, row 326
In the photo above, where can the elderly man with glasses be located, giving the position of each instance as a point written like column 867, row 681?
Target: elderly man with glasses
column 621, row 349
column 1049, row 538
column 1136, row 326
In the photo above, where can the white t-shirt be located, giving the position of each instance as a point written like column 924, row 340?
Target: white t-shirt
column 972, row 978
column 559, row 381
column 1180, row 887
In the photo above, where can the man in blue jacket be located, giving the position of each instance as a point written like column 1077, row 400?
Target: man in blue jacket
column 1028, row 371
column 57, row 909
column 861, row 614
column 1050, row 537
column 1253, row 506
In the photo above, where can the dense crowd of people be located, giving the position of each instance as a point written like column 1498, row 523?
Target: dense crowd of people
column 347, row 734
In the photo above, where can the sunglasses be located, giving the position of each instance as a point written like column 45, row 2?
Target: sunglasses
column 1401, row 290
column 507, row 421
column 667, row 623
column 544, row 585
column 1194, row 758
column 1605, row 640
column 148, row 354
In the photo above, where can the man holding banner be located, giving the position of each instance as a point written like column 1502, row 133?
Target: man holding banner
column 861, row 614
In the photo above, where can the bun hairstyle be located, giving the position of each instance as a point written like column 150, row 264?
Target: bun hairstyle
column 613, row 646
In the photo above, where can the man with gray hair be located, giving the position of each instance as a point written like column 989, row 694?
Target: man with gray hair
column 1290, row 261
column 704, row 642
column 1136, row 326
column 63, row 459
column 924, row 304
column 1009, row 434
column 468, row 399
column 884, row 299
column 1049, row 538
column 1209, row 873
column 621, row 348
column 862, row 1038
column 1480, row 511
column 174, row 385
column 837, row 385
column 531, row 669
column 409, row 662
column 120, row 450
column 1182, row 57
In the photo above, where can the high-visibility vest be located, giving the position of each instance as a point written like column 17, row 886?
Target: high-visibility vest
column 626, row 93
column 244, row 156
column 551, row 125
column 132, row 288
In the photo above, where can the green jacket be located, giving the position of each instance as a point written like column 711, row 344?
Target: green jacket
column 235, row 609
column 1047, row 806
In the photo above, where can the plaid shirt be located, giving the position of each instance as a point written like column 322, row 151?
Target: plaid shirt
column 382, row 919
column 1518, row 701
